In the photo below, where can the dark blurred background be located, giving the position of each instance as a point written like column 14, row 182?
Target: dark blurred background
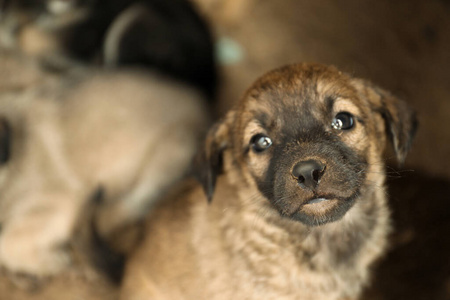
column 403, row 46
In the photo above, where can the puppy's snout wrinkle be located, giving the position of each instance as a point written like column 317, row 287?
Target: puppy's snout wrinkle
column 308, row 173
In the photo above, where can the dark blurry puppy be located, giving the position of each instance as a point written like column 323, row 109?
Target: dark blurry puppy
column 145, row 33
column 300, row 211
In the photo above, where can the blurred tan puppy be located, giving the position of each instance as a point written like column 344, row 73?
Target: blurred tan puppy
column 65, row 136
column 300, row 210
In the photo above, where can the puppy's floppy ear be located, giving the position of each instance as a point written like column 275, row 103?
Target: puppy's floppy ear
column 400, row 119
column 208, row 163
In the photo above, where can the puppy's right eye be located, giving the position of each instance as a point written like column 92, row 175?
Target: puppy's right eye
column 5, row 141
column 260, row 142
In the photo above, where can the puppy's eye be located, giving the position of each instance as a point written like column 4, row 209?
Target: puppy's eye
column 5, row 141
column 343, row 121
column 260, row 142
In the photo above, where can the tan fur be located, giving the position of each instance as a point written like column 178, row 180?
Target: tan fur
column 239, row 246
column 129, row 133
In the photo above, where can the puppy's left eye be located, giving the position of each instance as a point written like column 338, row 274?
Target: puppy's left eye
column 343, row 121
column 260, row 142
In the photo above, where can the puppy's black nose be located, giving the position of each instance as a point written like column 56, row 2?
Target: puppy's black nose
column 308, row 173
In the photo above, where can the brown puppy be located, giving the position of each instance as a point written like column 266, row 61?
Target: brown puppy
column 300, row 211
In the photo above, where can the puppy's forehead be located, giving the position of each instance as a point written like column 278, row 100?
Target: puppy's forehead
column 307, row 88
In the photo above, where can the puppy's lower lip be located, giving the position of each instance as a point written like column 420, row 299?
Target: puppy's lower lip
column 316, row 200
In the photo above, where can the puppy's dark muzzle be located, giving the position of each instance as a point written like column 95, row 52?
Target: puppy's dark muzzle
column 308, row 173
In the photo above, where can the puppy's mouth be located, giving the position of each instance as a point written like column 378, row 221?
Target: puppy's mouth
column 319, row 205
column 317, row 200
column 323, row 209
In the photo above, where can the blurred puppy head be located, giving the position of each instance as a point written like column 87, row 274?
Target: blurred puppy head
column 167, row 36
column 310, row 139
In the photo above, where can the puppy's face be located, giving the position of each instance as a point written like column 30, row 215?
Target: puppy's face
column 310, row 139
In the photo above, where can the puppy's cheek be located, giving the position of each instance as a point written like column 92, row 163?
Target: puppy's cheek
column 357, row 139
column 258, row 164
column 258, row 169
column 375, row 170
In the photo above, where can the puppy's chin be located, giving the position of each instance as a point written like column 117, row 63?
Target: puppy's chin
column 321, row 210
